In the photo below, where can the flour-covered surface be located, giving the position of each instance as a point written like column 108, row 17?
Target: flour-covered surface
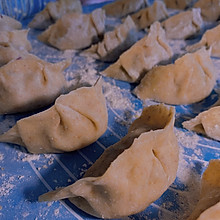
column 24, row 177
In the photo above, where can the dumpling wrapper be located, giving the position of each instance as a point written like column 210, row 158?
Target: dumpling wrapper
column 130, row 174
column 190, row 79
column 206, row 123
column 13, row 44
column 76, row 120
column 178, row 4
column 210, row 193
column 29, row 83
column 147, row 16
column 211, row 38
column 54, row 11
column 121, row 8
column 141, row 57
column 75, row 30
column 114, row 42
column 212, row 213
column 183, row 25
column 210, row 10
column 8, row 24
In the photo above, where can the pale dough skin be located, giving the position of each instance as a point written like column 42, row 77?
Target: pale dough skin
column 75, row 30
column 190, row 79
column 210, row 194
column 8, row 24
column 121, row 8
column 177, row 4
column 206, row 123
column 114, row 42
column 211, row 38
column 70, row 124
column 13, row 44
column 210, row 10
column 130, row 174
column 183, row 24
column 54, row 11
column 147, row 16
column 28, row 83
column 141, row 57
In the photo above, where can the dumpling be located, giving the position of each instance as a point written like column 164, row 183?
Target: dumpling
column 141, row 57
column 130, row 174
column 210, row 10
column 54, row 11
column 210, row 193
column 121, row 8
column 8, row 24
column 211, row 38
column 70, row 124
column 190, row 79
column 13, row 44
column 207, row 123
column 114, row 42
column 28, row 83
column 178, row 4
column 75, row 30
column 183, row 25
column 212, row 213
column 147, row 16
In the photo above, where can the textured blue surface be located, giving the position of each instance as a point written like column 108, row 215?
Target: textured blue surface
column 23, row 177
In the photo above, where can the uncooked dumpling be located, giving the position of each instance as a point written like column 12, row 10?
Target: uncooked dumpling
column 210, row 9
column 115, row 42
column 121, row 8
column 76, row 120
column 207, row 123
column 183, row 25
column 147, row 16
column 130, row 174
column 177, row 4
column 28, row 83
column 190, row 79
column 13, row 44
column 211, row 38
column 54, row 11
column 142, row 56
column 8, row 24
column 210, row 193
column 75, row 30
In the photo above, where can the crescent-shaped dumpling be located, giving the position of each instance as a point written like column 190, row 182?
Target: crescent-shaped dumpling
column 8, row 24
column 130, row 174
column 76, row 120
column 207, row 123
column 28, row 83
column 75, row 30
column 190, row 79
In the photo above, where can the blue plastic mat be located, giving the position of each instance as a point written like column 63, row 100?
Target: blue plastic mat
column 24, row 177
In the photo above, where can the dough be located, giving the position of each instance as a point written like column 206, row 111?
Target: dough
column 178, row 4
column 75, row 30
column 70, row 124
column 54, row 11
column 207, row 123
column 141, row 57
column 190, row 79
column 8, row 24
column 210, row 9
column 147, row 16
column 211, row 38
column 115, row 42
column 28, row 83
column 183, row 25
column 121, row 8
column 130, row 174
column 210, row 193
column 13, row 44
